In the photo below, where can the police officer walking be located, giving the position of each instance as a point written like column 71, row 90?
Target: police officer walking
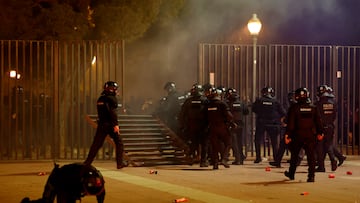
column 169, row 106
column 220, row 120
column 326, row 106
column 302, row 130
column 239, row 110
column 282, row 146
column 107, row 124
column 193, row 123
column 269, row 118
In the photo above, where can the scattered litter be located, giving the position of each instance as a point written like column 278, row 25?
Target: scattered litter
column 153, row 172
column 181, row 200
column 268, row 169
column 331, row 175
column 304, row 193
column 349, row 173
column 41, row 173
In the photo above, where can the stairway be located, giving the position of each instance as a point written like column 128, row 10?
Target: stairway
column 148, row 142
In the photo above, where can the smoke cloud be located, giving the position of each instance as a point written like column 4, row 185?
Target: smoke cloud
column 174, row 56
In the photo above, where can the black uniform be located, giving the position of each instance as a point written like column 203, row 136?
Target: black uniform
column 269, row 113
column 239, row 110
column 220, row 119
column 193, row 124
column 303, row 126
column 107, row 118
column 326, row 106
column 70, row 183
column 168, row 109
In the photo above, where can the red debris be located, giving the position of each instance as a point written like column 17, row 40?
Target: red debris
column 331, row 175
column 181, row 200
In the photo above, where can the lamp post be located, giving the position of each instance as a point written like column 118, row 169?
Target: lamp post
column 254, row 26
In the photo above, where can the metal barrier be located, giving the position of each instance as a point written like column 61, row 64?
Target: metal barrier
column 286, row 68
column 47, row 87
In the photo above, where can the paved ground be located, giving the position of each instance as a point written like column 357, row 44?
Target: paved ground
column 246, row 183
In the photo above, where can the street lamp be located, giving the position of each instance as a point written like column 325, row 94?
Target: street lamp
column 254, row 26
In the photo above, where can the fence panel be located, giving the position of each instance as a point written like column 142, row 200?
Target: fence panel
column 47, row 88
column 286, row 68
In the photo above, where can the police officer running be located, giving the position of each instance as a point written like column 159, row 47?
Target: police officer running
column 220, row 120
column 107, row 124
column 269, row 118
column 326, row 106
column 239, row 110
column 302, row 130
column 193, row 123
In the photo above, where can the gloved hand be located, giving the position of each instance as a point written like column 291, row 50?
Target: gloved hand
column 116, row 129
column 287, row 139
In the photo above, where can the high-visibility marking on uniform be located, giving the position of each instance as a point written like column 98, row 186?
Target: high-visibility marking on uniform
column 179, row 190
column 212, row 109
column 236, row 105
column 328, row 106
column 306, row 109
column 196, row 102
column 267, row 103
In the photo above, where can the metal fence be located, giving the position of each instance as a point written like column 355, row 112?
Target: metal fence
column 47, row 87
column 286, row 68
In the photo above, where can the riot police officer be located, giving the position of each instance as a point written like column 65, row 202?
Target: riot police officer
column 70, row 183
column 107, row 124
column 193, row 123
column 169, row 107
column 269, row 118
column 220, row 120
column 326, row 105
column 239, row 110
column 302, row 130
column 282, row 146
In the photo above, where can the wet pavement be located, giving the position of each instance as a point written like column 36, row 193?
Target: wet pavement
column 164, row 184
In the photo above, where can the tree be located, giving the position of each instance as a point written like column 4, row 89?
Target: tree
column 130, row 20
column 41, row 20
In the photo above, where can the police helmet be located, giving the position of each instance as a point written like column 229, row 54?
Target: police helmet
column 229, row 92
column 213, row 92
column 207, row 88
column 302, row 95
column 291, row 97
column 196, row 90
column 330, row 91
column 110, row 87
column 321, row 90
column 93, row 181
column 268, row 92
column 170, row 87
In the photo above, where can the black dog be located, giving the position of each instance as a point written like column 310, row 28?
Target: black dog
column 70, row 183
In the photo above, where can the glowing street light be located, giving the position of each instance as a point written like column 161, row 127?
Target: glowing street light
column 254, row 26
